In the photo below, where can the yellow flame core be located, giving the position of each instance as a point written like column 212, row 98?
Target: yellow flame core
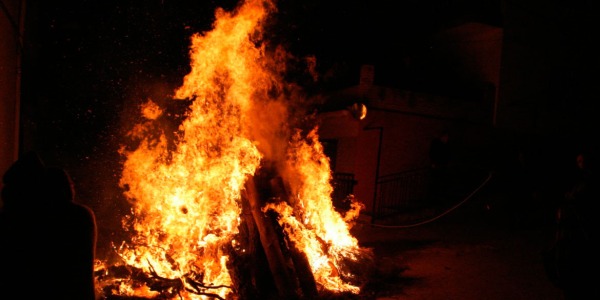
column 186, row 199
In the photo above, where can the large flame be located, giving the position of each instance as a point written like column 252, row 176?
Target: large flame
column 186, row 198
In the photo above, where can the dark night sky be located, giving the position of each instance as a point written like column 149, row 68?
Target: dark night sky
column 94, row 54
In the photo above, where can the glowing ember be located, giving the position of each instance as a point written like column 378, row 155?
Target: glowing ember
column 187, row 199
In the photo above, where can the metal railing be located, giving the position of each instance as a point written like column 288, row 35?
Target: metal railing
column 400, row 192
column 417, row 193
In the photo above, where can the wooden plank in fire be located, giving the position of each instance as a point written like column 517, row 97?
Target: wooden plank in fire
column 306, row 278
column 281, row 267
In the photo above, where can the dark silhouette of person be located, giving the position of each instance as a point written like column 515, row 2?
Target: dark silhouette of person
column 575, row 257
column 47, row 240
column 519, row 178
column 439, row 151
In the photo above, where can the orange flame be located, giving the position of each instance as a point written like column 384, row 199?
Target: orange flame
column 186, row 199
column 313, row 220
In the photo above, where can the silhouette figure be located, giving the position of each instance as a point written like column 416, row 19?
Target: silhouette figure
column 47, row 240
column 573, row 258
column 439, row 151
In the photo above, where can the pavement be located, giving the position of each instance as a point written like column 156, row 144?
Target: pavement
column 478, row 250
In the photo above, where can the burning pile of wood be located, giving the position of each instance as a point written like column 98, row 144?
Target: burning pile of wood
column 236, row 201
column 266, row 264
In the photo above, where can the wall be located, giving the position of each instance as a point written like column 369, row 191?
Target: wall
column 400, row 125
column 9, row 84
column 395, row 131
column 549, row 68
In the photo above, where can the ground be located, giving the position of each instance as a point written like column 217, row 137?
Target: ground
column 474, row 252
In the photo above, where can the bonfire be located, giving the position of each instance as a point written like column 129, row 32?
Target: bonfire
column 236, row 204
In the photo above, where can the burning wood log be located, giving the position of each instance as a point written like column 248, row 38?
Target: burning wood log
column 301, row 263
column 249, row 267
column 280, row 266
column 166, row 287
